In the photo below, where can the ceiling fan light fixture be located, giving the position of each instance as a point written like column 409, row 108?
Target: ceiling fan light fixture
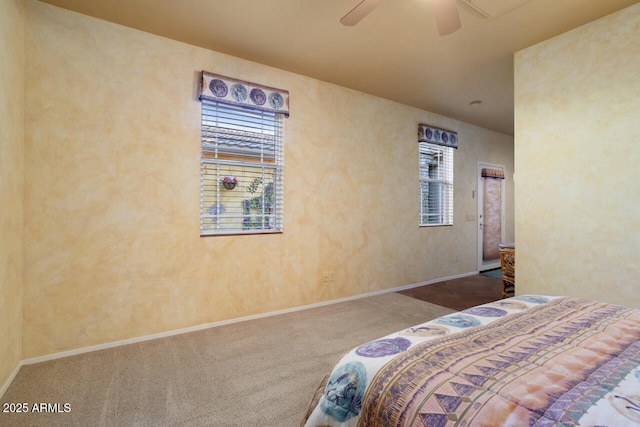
column 445, row 11
column 447, row 17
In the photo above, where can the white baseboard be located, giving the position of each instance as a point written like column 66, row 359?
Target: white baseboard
column 9, row 380
column 118, row 343
column 431, row 282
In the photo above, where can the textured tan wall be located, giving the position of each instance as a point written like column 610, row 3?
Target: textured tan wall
column 577, row 148
column 11, row 183
column 112, row 196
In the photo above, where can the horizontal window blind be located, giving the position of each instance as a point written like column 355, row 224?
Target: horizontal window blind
column 241, row 170
column 233, row 131
column 436, row 184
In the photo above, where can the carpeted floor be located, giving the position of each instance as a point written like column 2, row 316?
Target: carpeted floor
column 253, row 373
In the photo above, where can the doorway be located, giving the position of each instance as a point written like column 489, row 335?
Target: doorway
column 490, row 215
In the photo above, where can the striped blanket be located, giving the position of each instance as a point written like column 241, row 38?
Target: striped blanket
column 531, row 360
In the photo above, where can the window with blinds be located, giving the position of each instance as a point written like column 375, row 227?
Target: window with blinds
column 436, row 184
column 241, row 170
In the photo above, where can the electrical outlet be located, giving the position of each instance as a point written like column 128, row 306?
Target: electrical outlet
column 328, row 276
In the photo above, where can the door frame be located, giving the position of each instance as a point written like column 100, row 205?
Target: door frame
column 491, row 264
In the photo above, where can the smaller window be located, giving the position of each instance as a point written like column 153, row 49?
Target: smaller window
column 436, row 185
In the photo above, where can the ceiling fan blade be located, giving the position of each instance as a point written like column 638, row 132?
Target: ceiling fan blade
column 360, row 11
column 447, row 16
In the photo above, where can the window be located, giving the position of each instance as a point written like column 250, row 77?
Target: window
column 436, row 176
column 241, row 169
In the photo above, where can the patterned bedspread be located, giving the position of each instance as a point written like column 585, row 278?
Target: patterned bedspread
column 531, row 360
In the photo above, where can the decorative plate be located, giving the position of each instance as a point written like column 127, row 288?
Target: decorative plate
column 238, row 92
column 218, row 88
column 257, row 96
column 429, row 133
column 276, row 100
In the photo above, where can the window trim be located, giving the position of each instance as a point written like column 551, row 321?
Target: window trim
column 446, row 208
column 248, row 143
column 211, row 158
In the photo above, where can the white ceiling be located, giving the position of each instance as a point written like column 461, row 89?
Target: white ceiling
column 395, row 52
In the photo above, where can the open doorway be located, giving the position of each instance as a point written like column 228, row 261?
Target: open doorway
column 490, row 215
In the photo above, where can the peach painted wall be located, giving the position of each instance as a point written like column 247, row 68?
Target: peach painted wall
column 577, row 148
column 11, row 184
column 112, row 246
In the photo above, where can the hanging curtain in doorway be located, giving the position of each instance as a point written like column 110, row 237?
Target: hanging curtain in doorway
column 492, row 213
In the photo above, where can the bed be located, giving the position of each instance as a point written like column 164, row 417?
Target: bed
column 532, row 360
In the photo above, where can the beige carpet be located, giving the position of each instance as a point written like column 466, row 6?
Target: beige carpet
column 253, row 373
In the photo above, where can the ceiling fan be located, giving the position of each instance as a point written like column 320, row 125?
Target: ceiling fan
column 446, row 11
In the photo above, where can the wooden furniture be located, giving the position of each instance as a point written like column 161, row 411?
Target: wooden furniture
column 508, row 265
